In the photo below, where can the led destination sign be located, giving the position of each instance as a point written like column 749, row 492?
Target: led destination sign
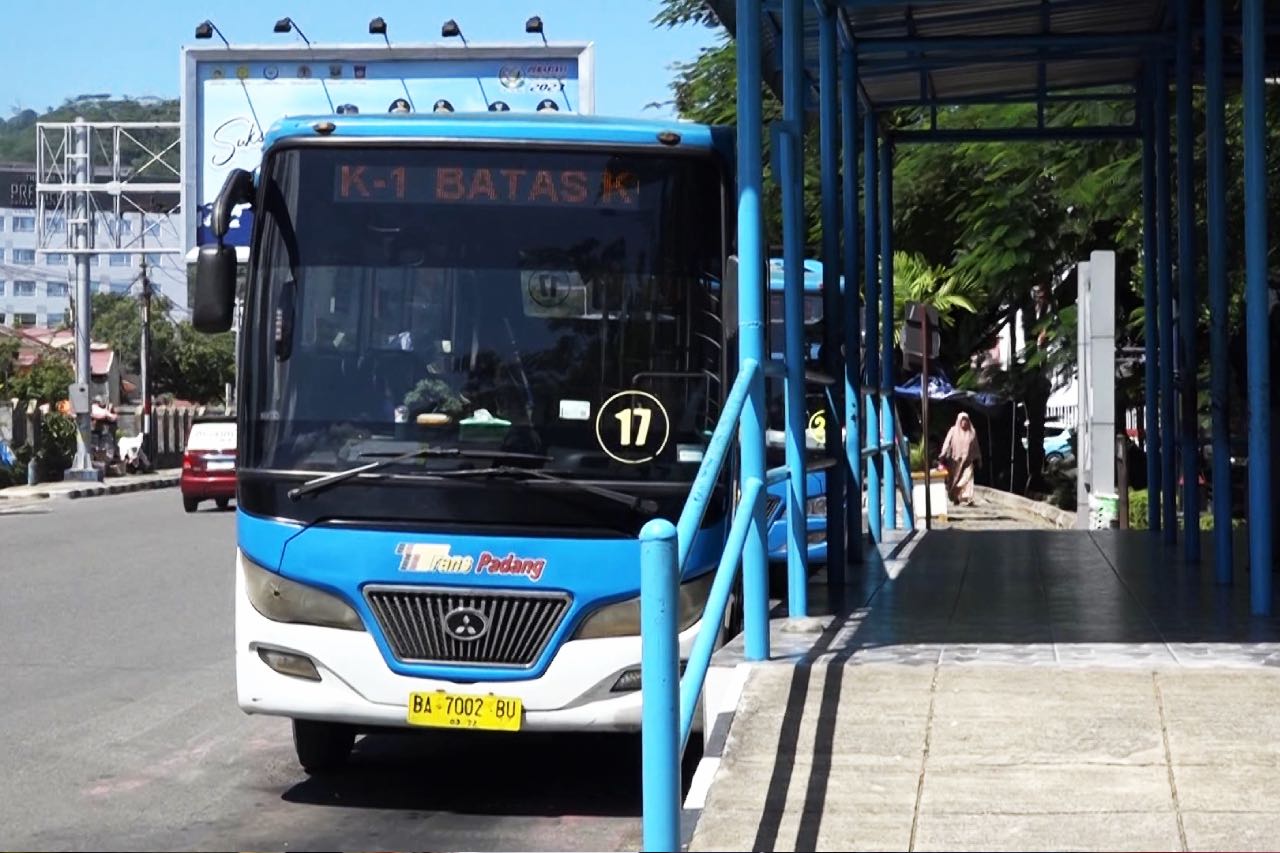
column 498, row 185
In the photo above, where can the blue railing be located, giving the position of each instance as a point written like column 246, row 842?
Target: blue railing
column 670, row 701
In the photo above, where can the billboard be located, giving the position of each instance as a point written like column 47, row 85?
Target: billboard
column 232, row 96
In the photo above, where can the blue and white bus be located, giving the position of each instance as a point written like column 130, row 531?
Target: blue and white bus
column 479, row 352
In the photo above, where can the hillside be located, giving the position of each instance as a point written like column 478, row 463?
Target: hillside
column 18, row 132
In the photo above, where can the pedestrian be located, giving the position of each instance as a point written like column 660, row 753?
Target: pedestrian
column 962, row 456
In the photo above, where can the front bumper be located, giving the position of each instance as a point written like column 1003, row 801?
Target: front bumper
column 356, row 686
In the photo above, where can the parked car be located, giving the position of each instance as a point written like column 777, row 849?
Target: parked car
column 209, row 463
column 1059, row 444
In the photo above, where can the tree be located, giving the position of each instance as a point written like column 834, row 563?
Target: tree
column 1012, row 220
column 187, row 364
column 45, row 381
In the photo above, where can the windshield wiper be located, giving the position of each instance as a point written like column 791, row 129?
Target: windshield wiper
column 321, row 483
column 638, row 504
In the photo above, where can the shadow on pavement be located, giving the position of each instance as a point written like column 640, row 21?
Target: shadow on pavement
column 526, row 774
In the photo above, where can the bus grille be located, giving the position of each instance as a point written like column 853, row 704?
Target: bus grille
column 453, row 626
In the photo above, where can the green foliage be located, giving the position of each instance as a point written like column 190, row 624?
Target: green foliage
column 45, row 381
column 18, row 132
column 57, row 447
column 1139, row 506
column 185, row 363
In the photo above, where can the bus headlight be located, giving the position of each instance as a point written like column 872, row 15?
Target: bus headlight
column 623, row 618
column 282, row 600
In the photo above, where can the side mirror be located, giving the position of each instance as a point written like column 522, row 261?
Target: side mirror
column 215, row 294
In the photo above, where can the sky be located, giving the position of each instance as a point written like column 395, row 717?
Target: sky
column 133, row 48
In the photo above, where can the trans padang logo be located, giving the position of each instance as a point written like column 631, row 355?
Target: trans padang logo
column 437, row 558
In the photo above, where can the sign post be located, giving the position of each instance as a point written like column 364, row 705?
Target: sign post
column 921, row 340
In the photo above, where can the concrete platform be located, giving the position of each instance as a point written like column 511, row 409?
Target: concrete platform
column 1003, row 690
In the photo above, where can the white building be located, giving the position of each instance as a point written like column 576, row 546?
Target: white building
column 36, row 287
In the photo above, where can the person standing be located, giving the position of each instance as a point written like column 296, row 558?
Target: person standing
column 962, row 455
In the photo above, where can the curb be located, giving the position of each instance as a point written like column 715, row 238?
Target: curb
column 1057, row 517
column 120, row 488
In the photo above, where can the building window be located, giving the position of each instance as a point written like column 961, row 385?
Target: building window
column 153, row 260
column 24, row 256
column 1, row 223
column 55, row 222
column 24, row 288
column 56, row 288
column 118, row 260
column 55, row 320
column 23, row 319
column 24, row 223
column 93, row 260
column 119, row 286
column 56, row 259
column 2, row 285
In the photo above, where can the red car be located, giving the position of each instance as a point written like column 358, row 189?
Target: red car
column 209, row 463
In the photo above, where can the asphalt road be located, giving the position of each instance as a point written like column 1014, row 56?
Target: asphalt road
column 121, row 730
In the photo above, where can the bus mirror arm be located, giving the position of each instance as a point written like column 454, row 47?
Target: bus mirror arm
column 236, row 190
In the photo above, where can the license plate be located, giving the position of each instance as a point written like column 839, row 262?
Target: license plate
column 459, row 711
column 220, row 466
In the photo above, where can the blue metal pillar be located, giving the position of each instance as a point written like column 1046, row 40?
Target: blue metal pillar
column 751, row 268
column 791, row 181
column 660, row 685
column 1164, row 260
column 829, row 153
column 852, row 303
column 1216, row 189
column 871, row 340
column 1256, row 308
column 1188, row 309
column 1149, row 295
column 886, row 333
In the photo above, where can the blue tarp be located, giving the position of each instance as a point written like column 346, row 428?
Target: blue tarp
column 940, row 388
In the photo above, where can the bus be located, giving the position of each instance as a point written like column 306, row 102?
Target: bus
column 817, row 408
column 478, row 352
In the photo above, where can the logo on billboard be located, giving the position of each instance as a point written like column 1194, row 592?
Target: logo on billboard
column 359, row 71
column 335, row 70
column 271, row 72
column 242, row 72
column 217, row 74
column 304, row 72
column 511, row 77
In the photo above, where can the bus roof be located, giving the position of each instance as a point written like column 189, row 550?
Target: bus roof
column 506, row 126
column 812, row 275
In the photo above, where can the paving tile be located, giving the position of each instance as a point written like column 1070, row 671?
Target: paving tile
column 1225, row 788
column 1111, row 831
column 811, row 788
column 835, row 830
column 1232, row 830
column 1046, row 788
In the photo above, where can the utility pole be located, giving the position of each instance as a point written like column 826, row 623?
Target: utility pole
column 82, row 468
column 146, row 361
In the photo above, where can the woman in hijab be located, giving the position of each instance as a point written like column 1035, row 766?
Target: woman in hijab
column 961, row 454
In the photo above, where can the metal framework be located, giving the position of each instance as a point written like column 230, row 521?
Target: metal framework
column 884, row 55
column 90, row 174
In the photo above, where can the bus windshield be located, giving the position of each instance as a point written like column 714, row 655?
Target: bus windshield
column 557, row 303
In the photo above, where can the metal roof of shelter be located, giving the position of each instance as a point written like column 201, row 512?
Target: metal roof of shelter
column 938, row 51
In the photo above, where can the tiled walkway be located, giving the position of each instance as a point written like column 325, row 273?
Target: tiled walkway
column 1011, row 690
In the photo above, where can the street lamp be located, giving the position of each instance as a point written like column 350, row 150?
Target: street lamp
column 285, row 24
column 378, row 27
column 534, row 25
column 499, row 107
column 206, row 28
column 442, row 106
column 452, row 30
column 546, row 105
